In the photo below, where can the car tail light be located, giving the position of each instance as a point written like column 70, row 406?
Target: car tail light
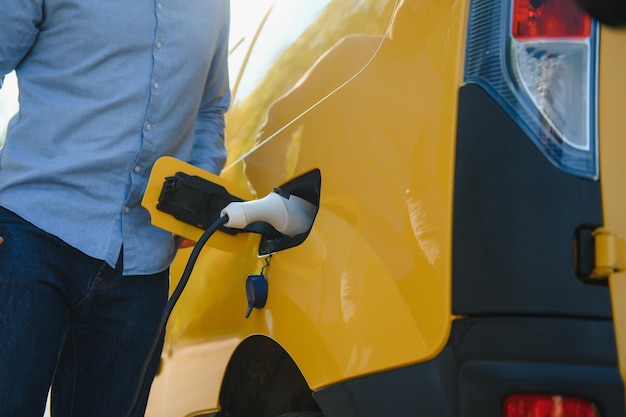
column 534, row 19
column 537, row 58
column 533, row 405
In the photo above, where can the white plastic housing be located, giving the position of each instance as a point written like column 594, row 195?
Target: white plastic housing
column 290, row 216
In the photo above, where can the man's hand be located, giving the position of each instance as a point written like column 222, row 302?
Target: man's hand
column 182, row 243
column 1, row 240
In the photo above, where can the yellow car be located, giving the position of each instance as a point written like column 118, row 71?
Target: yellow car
column 466, row 256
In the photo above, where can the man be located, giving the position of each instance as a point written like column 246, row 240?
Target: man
column 105, row 88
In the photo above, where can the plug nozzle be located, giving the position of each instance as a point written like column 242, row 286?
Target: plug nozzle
column 290, row 215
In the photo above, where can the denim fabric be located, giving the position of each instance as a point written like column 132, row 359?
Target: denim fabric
column 73, row 321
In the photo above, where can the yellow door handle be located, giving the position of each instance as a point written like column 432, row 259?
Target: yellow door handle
column 610, row 253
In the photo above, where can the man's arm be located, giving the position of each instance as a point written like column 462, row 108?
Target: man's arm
column 19, row 26
column 209, row 151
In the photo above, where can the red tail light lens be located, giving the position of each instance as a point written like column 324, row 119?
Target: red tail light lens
column 533, row 405
column 549, row 19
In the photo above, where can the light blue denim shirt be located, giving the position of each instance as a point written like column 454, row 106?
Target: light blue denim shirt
column 105, row 88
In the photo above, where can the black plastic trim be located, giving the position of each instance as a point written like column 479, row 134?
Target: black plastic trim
column 515, row 221
column 484, row 361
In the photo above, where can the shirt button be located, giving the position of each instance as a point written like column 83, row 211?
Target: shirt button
column 126, row 210
column 137, row 169
column 156, row 86
column 159, row 5
column 148, row 127
column 158, row 45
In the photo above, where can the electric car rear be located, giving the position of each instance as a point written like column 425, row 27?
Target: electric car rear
column 466, row 256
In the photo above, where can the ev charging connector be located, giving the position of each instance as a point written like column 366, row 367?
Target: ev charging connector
column 287, row 213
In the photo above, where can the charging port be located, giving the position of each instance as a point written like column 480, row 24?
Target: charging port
column 307, row 187
column 200, row 202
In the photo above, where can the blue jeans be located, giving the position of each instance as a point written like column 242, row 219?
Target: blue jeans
column 74, row 323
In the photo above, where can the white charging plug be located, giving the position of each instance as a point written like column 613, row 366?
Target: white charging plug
column 290, row 215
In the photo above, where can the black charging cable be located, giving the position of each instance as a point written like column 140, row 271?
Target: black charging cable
column 171, row 303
